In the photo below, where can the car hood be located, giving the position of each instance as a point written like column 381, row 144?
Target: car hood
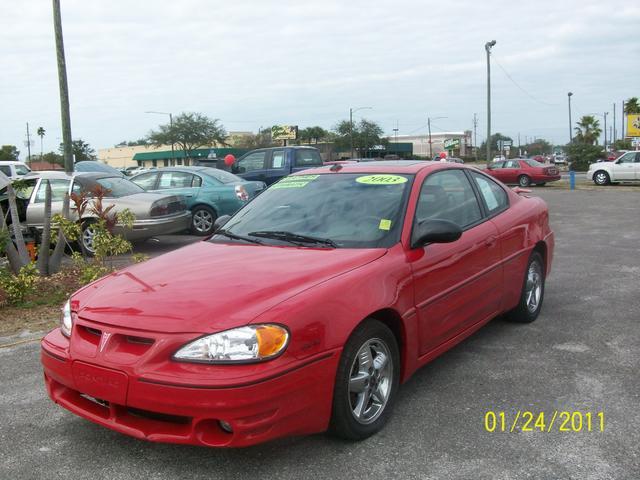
column 208, row 287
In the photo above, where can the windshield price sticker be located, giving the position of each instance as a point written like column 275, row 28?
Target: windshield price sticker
column 385, row 224
column 381, row 179
column 296, row 181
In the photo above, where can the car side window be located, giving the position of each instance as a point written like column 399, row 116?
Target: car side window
column 494, row 196
column 26, row 189
column 277, row 159
column 629, row 157
column 448, row 195
column 306, row 158
column 253, row 161
column 6, row 169
column 512, row 164
column 197, row 181
column 175, row 180
column 58, row 190
column 497, row 165
column 146, row 181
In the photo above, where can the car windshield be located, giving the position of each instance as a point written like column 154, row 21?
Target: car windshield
column 350, row 210
column 534, row 163
column 119, row 187
column 222, row 175
column 22, row 170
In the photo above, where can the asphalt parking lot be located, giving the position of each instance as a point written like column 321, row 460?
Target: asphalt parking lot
column 580, row 355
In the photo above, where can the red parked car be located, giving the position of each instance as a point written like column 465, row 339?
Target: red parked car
column 306, row 310
column 524, row 172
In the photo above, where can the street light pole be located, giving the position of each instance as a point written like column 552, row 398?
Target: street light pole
column 351, row 112
column 64, row 90
column 487, row 47
column 570, row 124
column 605, row 130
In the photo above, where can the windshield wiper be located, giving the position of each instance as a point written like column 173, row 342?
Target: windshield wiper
column 293, row 237
column 238, row 237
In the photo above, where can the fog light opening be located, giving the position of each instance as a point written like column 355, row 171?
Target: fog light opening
column 225, row 426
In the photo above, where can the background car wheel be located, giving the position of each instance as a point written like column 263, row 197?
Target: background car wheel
column 532, row 292
column 87, row 234
column 366, row 382
column 202, row 220
column 601, row 178
column 524, row 181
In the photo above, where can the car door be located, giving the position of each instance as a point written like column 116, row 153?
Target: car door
column 624, row 169
column 35, row 210
column 253, row 166
column 456, row 284
column 180, row 183
column 511, row 171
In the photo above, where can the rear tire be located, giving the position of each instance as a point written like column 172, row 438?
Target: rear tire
column 367, row 381
column 203, row 220
column 86, row 238
column 532, row 294
column 524, row 180
column 601, row 178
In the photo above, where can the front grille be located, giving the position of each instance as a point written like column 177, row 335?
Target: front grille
column 160, row 417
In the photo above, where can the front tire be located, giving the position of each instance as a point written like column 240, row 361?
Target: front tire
column 532, row 294
column 524, row 180
column 87, row 234
column 366, row 382
column 601, row 178
column 202, row 220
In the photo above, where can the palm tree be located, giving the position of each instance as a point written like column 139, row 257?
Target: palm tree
column 588, row 130
column 632, row 106
column 40, row 133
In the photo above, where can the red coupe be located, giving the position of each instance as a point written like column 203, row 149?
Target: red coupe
column 523, row 172
column 304, row 311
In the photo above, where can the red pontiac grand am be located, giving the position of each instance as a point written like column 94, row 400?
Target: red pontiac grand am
column 524, row 172
column 306, row 310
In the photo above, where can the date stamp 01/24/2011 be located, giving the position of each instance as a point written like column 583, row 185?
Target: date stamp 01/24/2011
column 556, row 421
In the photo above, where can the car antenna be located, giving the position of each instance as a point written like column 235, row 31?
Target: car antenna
column 336, row 167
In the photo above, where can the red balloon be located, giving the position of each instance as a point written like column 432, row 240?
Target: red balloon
column 443, row 155
column 229, row 160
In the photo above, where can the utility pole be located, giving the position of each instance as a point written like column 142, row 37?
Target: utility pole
column 430, row 148
column 64, row 89
column 351, row 131
column 615, row 136
column 28, row 145
column 475, row 138
column 487, row 47
column 570, row 124
column 622, row 122
column 519, row 149
column 605, row 130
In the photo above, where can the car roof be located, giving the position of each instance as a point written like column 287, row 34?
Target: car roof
column 384, row 166
column 12, row 162
column 56, row 174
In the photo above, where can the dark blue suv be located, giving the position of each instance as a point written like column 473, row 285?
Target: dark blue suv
column 271, row 164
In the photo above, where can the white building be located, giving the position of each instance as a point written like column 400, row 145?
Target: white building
column 421, row 143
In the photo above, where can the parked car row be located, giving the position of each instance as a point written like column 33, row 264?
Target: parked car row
column 523, row 172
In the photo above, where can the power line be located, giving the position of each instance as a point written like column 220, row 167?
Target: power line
column 522, row 89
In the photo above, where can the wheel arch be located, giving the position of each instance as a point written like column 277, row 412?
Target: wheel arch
column 202, row 204
column 392, row 319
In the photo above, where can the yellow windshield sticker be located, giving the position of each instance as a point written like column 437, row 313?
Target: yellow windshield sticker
column 381, row 179
column 384, row 224
column 295, row 181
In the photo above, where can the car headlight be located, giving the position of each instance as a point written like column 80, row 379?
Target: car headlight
column 66, row 321
column 253, row 343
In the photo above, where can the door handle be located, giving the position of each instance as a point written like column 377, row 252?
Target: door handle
column 490, row 241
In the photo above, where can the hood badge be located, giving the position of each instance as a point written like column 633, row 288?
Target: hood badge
column 103, row 341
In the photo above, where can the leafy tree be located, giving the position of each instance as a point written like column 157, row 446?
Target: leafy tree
column 580, row 155
column 41, row 133
column 82, row 151
column 494, row 143
column 260, row 140
column 53, row 158
column 312, row 134
column 622, row 145
column 538, row 147
column 366, row 134
column 190, row 131
column 632, row 106
column 587, row 130
column 133, row 143
column 9, row 152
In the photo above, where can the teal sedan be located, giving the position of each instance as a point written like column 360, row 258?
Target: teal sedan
column 209, row 192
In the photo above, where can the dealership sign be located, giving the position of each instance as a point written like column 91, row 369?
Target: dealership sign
column 284, row 132
column 633, row 125
column 451, row 143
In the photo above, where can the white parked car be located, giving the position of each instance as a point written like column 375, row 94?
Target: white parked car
column 499, row 158
column 559, row 158
column 625, row 168
column 14, row 169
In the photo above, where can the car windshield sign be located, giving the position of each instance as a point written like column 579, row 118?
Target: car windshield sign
column 336, row 210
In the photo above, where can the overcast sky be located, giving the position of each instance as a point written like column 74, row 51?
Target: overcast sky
column 258, row 63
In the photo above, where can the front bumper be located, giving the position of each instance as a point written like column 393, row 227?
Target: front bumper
column 296, row 400
column 156, row 226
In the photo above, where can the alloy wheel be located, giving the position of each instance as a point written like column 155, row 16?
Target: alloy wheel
column 202, row 221
column 533, row 288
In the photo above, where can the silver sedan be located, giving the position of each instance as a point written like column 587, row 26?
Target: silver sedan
column 155, row 214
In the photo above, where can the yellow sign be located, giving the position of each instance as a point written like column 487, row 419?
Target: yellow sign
column 381, row 179
column 633, row 125
column 284, row 132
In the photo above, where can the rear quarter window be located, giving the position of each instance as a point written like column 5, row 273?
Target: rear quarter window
column 307, row 158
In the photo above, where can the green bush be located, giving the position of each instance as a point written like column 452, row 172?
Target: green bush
column 18, row 287
column 580, row 155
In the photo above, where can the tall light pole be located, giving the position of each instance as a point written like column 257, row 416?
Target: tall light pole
column 429, row 127
column 605, row 130
column 351, row 112
column 570, row 124
column 487, row 47
column 171, row 128
column 64, row 89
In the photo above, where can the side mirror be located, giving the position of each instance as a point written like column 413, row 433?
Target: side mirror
column 220, row 221
column 435, row 231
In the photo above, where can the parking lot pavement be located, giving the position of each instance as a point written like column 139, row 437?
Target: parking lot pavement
column 580, row 355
